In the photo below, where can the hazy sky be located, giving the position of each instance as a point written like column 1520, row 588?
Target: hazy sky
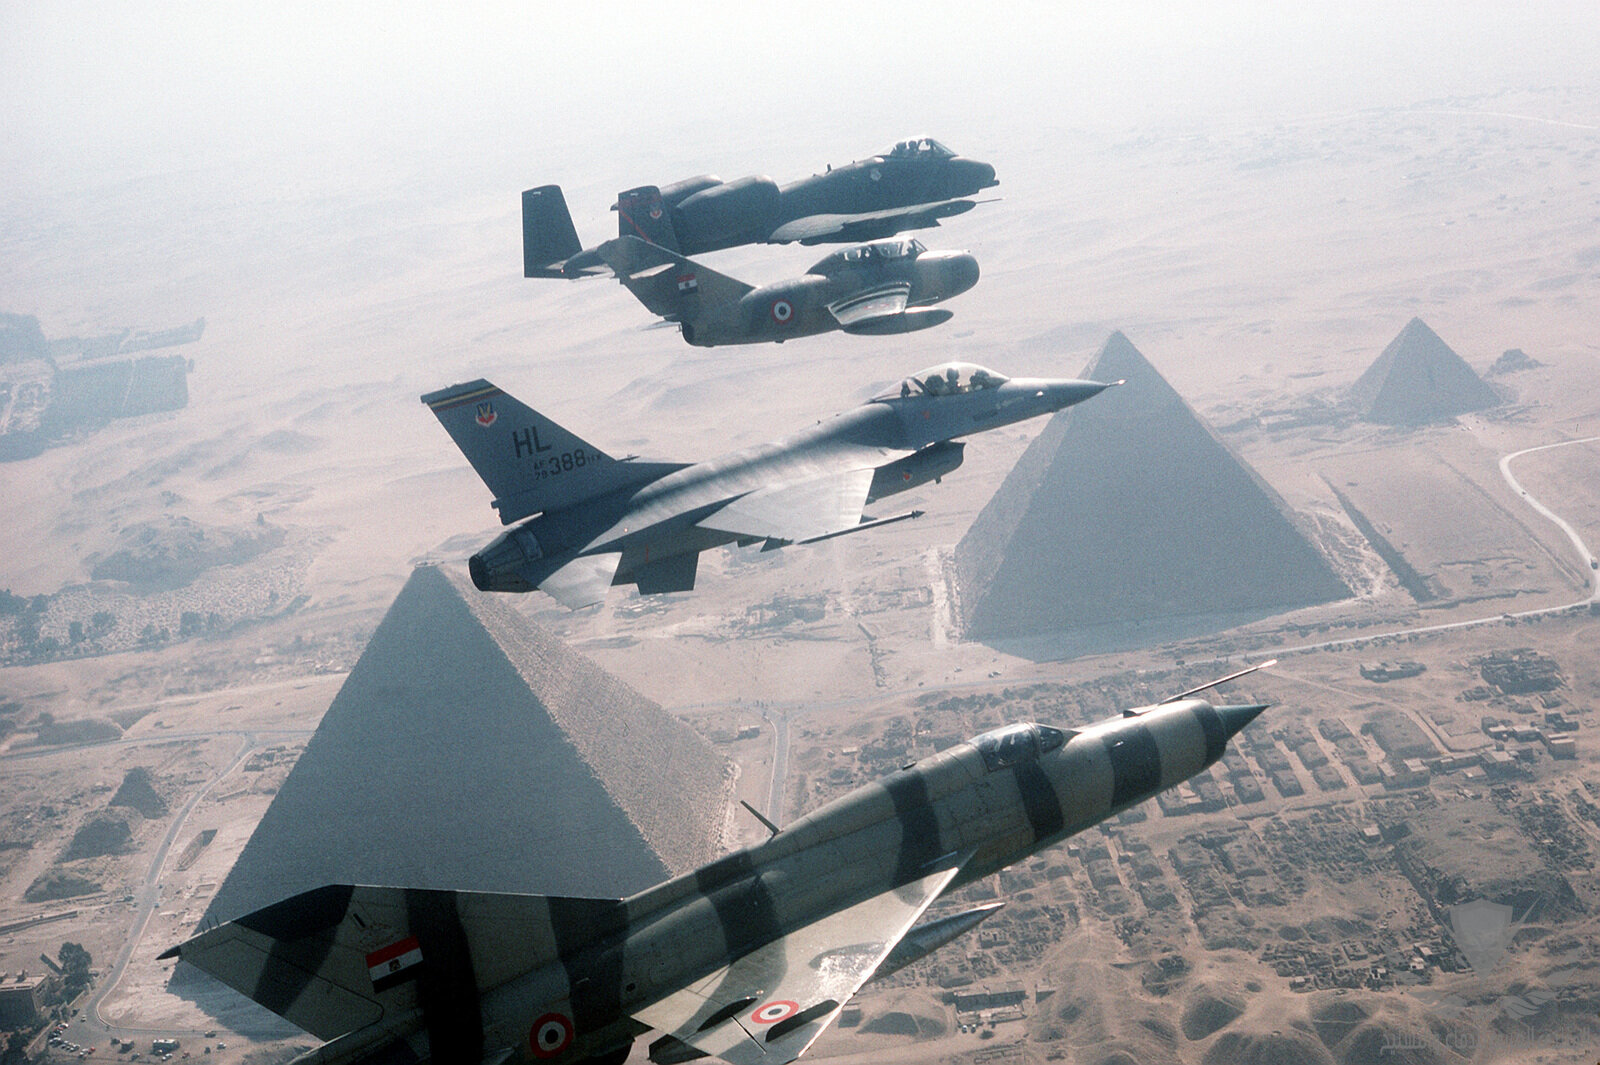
column 101, row 87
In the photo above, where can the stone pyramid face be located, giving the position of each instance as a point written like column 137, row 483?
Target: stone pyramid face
column 1419, row 379
column 1127, row 522
column 469, row 749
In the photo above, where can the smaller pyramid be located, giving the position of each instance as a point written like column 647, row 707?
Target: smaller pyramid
column 469, row 749
column 1127, row 522
column 1418, row 379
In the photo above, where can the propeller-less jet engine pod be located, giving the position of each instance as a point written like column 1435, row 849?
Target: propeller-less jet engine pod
column 872, row 289
column 747, row 959
column 909, row 185
column 593, row 521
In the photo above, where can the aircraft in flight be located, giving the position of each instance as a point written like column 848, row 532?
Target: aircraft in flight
column 747, row 959
column 909, row 185
column 870, row 290
column 589, row 521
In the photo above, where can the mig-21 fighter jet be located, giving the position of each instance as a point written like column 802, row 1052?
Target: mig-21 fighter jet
column 909, row 185
column 588, row 520
column 872, row 289
column 747, row 959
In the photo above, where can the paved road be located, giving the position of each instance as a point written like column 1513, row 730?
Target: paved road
column 1584, row 554
column 780, row 763
column 149, row 897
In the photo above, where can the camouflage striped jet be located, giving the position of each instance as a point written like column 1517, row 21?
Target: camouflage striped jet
column 747, row 959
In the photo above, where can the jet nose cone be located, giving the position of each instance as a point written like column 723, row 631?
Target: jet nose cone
column 1235, row 718
column 962, row 273
column 977, row 175
column 1067, row 393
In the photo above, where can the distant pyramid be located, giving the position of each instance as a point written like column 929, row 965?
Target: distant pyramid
column 1128, row 522
column 1417, row 380
column 470, row 749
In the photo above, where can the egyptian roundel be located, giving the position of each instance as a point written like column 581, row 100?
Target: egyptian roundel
column 782, row 311
column 775, row 1011
column 550, row 1035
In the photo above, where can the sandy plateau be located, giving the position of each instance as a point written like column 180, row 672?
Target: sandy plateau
column 1259, row 269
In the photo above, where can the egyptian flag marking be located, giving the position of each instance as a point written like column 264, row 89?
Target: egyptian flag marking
column 395, row 964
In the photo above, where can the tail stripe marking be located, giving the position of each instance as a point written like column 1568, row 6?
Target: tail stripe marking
column 462, row 399
column 448, row 987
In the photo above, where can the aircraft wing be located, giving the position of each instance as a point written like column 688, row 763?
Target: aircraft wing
column 801, row 510
column 868, row 225
column 880, row 301
column 767, row 1007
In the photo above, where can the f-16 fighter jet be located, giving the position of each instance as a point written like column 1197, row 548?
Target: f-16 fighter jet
column 873, row 289
column 589, row 521
column 747, row 959
column 909, row 185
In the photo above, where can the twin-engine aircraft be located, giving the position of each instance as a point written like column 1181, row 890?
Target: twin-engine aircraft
column 869, row 290
column 748, row 959
column 910, row 185
column 589, row 521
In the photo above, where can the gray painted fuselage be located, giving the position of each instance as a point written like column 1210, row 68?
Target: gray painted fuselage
column 658, row 521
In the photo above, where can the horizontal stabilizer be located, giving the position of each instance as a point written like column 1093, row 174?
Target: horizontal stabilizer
column 583, row 581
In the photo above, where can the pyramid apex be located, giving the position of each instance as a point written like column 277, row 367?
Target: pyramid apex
column 1130, row 524
column 1418, row 378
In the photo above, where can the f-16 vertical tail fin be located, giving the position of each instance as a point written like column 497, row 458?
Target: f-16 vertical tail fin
column 678, row 289
column 528, row 461
column 383, row 964
column 642, row 213
column 548, row 235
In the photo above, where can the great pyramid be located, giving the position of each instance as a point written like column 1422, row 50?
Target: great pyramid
column 1128, row 522
column 470, row 749
column 1419, row 379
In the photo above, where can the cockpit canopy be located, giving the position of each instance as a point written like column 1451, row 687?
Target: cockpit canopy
column 865, row 254
column 917, row 148
column 948, row 379
column 1017, row 743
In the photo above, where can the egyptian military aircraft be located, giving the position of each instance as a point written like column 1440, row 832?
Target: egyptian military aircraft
column 747, row 959
column 909, row 185
column 589, row 521
column 872, row 289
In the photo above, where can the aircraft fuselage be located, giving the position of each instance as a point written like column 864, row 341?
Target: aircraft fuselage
column 660, row 520
column 988, row 803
